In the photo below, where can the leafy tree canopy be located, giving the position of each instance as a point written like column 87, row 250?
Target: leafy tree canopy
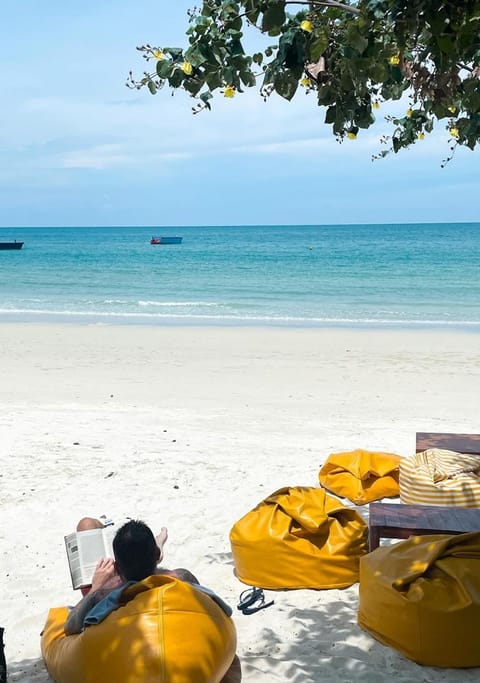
column 349, row 56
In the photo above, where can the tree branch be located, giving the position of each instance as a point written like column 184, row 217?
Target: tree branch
column 327, row 3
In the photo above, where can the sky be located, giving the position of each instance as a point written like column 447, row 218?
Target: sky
column 78, row 148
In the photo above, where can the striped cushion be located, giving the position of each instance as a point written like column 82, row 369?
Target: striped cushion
column 440, row 477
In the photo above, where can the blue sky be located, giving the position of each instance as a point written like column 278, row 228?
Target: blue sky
column 79, row 148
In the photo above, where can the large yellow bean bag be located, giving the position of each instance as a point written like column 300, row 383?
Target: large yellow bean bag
column 299, row 537
column 168, row 632
column 440, row 477
column 422, row 597
column 361, row 476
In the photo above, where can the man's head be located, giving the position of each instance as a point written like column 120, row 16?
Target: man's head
column 136, row 551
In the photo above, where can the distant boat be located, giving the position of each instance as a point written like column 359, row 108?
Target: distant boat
column 11, row 245
column 171, row 239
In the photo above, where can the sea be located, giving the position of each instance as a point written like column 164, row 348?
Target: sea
column 373, row 276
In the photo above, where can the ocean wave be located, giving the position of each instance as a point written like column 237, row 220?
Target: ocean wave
column 232, row 318
column 177, row 304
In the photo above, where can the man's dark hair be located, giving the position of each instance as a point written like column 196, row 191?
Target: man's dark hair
column 136, row 551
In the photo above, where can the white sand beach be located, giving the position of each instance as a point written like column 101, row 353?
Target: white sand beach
column 190, row 427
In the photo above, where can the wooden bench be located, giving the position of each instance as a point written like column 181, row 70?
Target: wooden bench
column 461, row 443
column 391, row 520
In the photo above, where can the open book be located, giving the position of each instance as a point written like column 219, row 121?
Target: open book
column 84, row 549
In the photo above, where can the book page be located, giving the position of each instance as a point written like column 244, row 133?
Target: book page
column 71, row 546
column 84, row 549
column 108, row 534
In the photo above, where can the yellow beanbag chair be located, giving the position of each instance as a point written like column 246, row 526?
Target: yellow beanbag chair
column 168, row 632
column 361, row 476
column 422, row 597
column 440, row 477
column 299, row 537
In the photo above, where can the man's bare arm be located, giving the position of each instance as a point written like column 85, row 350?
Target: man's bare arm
column 74, row 623
column 104, row 572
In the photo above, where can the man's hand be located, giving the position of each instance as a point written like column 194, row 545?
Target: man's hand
column 104, row 574
column 104, row 571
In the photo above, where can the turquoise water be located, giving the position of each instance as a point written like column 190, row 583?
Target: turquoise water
column 354, row 275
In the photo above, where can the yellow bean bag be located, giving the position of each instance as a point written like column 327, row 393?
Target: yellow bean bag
column 361, row 476
column 440, row 477
column 422, row 597
column 299, row 537
column 168, row 632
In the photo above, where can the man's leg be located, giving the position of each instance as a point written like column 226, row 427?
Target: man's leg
column 88, row 523
column 160, row 540
column 179, row 573
column 184, row 575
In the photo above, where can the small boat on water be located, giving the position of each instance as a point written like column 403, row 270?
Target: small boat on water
column 11, row 245
column 170, row 239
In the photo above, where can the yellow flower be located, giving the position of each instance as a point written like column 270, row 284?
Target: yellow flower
column 452, row 109
column 305, row 82
column 351, row 136
column 421, row 136
column 187, row 68
column 306, row 26
column 454, row 132
column 158, row 54
column 376, row 105
column 394, row 60
column 409, row 111
column 229, row 91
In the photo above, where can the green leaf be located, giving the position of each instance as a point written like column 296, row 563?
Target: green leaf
column 446, row 44
column 235, row 24
column 192, row 86
column 176, row 79
column 318, row 46
column 285, row 84
column 252, row 10
column 176, row 53
column 379, row 72
column 248, row 79
column 213, row 80
column 331, row 114
column 326, row 95
column 356, row 40
column 364, row 117
column 273, row 18
column 205, row 96
column 195, row 56
column 228, row 75
column 217, row 54
column 164, row 68
column 236, row 48
column 291, row 50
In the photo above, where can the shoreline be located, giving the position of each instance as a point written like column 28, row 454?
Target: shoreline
column 191, row 427
column 155, row 321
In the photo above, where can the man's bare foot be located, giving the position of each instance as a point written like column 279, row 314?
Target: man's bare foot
column 161, row 539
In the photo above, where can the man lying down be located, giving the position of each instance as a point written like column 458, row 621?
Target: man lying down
column 137, row 554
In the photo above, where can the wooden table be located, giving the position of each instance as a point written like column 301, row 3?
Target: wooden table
column 391, row 520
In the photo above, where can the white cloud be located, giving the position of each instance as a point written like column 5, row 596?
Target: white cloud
column 112, row 156
column 100, row 157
